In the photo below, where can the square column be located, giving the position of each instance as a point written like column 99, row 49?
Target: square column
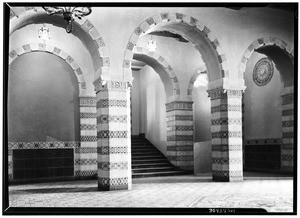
column 287, row 146
column 86, row 153
column 226, row 127
column 113, row 135
column 180, row 134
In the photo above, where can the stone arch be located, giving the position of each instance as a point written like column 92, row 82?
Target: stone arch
column 43, row 47
column 200, row 70
column 282, row 54
column 163, row 68
column 263, row 43
column 83, row 29
column 193, row 30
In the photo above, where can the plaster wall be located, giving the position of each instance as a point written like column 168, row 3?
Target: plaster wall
column 152, row 108
column 202, row 113
column 263, row 106
column 42, row 99
column 202, row 157
column 135, row 102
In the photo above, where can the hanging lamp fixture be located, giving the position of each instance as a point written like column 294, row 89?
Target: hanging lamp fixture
column 69, row 13
column 151, row 45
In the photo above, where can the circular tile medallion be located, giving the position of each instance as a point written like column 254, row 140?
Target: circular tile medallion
column 263, row 72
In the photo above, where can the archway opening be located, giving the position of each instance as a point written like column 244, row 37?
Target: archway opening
column 269, row 72
column 43, row 108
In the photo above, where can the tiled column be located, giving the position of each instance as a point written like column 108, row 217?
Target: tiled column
column 180, row 134
column 287, row 147
column 226, row 127
column 86, row 153
column 113, row 134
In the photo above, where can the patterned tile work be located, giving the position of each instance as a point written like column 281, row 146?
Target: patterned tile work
column 114, row 168
column 287, row 158
column 266, row 141
column 180, row 134
column 105, row 150
column 86, row 138
column 88, row 115
column 181, row 158
column 181, row 148
column 226, row 134
column 179, row 105
column 100, row 42
column 85, row 150
column 43, row 145
column 85, row 161
column 104, row 118
column 108, row 184
column 86, row 173
column 88, row 127
column 225, row 121
column 111, row 103
column 150, row 21
column 87, row 101
column 287, row 99
column 226, row 108
column 287, row 112
column 180, row 138
column 111, row 134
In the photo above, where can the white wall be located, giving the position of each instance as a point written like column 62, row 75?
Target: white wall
column 152, row 109
column 202, row 110
column 135, row 101
column 263, row 117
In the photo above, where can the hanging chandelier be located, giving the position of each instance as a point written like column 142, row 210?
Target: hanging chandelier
column 69, row 13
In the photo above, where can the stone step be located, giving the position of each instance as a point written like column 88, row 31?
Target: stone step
column 158, row 174
column 153, row 169
column 149, row 161
column 145, row 153
column 148, row 157
column 149, row 165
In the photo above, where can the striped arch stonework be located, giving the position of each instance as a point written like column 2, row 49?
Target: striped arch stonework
column 87, row 109
column 200, row 70
column 43, row 47
column 113, row 135
column 226, row 128
column 101, row 60
column 86, row 154
column 287, row 147
column 167, row 67
column 167, row 17
column 261, row 43
column 180, row 134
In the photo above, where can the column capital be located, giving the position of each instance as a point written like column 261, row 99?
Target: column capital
column 221, row 92
column 101, row 84
column 179, row 105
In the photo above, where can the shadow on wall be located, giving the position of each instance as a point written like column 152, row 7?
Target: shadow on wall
column 202, row 157
column 42, row 99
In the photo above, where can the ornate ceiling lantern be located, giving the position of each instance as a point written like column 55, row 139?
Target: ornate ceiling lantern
column 69, row 13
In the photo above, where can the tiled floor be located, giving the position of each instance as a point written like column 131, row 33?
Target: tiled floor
column 275, row 194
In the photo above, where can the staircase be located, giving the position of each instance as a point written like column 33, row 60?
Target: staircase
column 148, row 161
